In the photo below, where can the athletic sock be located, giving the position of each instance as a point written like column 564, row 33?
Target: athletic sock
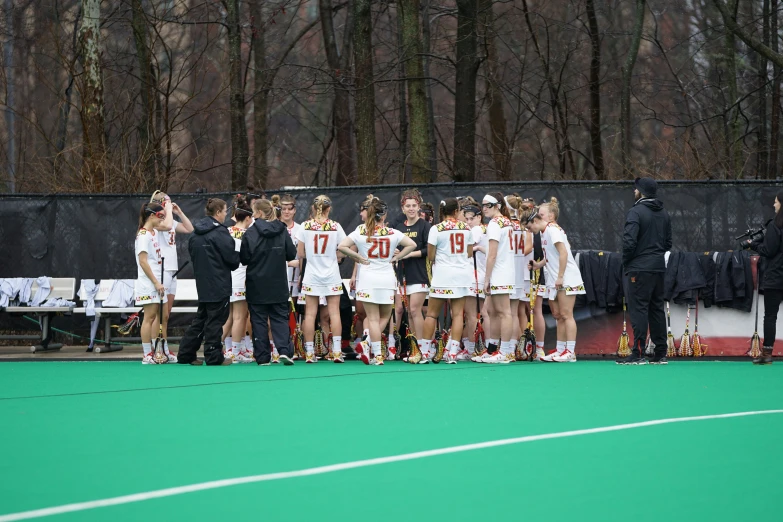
column 236, row 348
column 453, row 347
column 505, row 347
column 248, row 343
column 310, row 347
column 392, row 341
column 561, row 345
column 514, row 343
column 539, row 345
column 337, row 344
column 147, row 347
column 470, row 346
column 376, row 348
column 228, row 343
column 571, row 346
column 425, row 347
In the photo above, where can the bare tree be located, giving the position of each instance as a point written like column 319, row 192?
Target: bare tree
column 239, row 144
column 93, row 177
column 417, row 96
column 625, row 100
column 467, row 64
column 365, row 94
column 595, row 91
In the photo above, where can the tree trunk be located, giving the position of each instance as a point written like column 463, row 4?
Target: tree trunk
column 759, row 62
column 731, row 115
column 417, row 95
column 367, row 169
column 497, row 116
column 595, row 92
column 346, row 169
column 432, row 143
column 261, row 97
column 92, row 110
column 405, row 172
column 239, row 144
column 465, row 99
column 148, row 91
column 10, row 86
column 775, row 123
column 625, row 101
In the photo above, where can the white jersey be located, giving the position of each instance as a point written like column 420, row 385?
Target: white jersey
column 148, row 241
column 378, row 249
column 453, row 267
column 293, row 272
column 528, row 241
column 239, row 275
column 518, row 247
column 168, row 248
column 480, row 238
column 320, row 243
column 550, row 237
column 503, row 273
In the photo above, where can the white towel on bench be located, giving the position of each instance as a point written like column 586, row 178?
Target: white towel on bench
column 44, row 289
column 87, row 292
column 120, row 295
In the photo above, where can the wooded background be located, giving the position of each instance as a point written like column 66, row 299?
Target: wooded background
column 134, row 95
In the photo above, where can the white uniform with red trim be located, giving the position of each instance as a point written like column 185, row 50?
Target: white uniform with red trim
column 518, row 247
column 503, row 273
column 378, row 282
column 239, row 275
column 452, row 273
column 293, row 272
column 144, row 292
column 322, row 275
column 572, row 279
column 481, row 239
column 168, row 251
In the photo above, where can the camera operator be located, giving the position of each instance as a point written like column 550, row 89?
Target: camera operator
column 770, row 247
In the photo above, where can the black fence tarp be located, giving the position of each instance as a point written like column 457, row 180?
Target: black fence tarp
column 91, row 236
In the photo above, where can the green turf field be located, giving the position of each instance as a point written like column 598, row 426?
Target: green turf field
column 74, row 432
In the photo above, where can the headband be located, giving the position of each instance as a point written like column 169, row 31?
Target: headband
column 471, row 208
column 533, row 215
column 490, row 199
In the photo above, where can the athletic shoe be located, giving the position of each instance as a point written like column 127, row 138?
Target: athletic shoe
column 172, row 357
column 480, row 357
column 499, row 358
column 566, row 356
column 634, row 359
column 392, row 353
column 659, row 360
column 363, row 349
column 337, row 357
column 286, row 360
column 241, row 358
column 377, row 360
column 148, row 359
column 425, row 358
column 539, row 354
column 452, row 358
column 310, row 358
column 549, row 357
column 265, row 364
column 463, row 355
column 275, row 358
column 248, row 354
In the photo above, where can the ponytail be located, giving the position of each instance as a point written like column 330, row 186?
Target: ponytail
column 448, row 207
column 376, row 210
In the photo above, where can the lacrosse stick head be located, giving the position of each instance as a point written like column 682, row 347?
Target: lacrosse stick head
column 755, row 346
column 624, row 345
column 671, row 350
column 128, row 326
column 412, row 345
column 159, row 354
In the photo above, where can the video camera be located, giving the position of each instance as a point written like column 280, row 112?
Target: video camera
column 752, row 234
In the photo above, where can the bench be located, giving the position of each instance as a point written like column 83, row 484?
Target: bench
column 186, row 291
column 62, row 287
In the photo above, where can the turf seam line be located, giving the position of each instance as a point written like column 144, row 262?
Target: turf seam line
column 215, row 484
column 222, row 383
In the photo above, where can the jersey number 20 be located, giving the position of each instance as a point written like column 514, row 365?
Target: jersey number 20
column 379, row 248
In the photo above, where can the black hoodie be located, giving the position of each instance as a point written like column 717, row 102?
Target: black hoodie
column 266, row 248
column 647, row 237
column 214, row 256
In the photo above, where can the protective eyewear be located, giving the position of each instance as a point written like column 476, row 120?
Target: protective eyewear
column 488, row 205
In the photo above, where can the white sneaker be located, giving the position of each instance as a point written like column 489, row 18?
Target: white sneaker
column 377, row 360
column 463, row 355
column 549, row 357
column 499, row 358
column 392, row 353
column 363, row 348
column 148, row 360
column 425, row 358
column 337, row 357
column 240, row 358
column 480, row 357
column 452, row 358
column 539, row 354
column 275, row 357
column 566, row 356
column 248, row 355
column 310, row 358
column 172, row 357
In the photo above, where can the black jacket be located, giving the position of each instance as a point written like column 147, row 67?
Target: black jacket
column 214, row 256
column 771, row 249
column 684, row 278
column 266, row 248
column 734, row 280
column 647, row 237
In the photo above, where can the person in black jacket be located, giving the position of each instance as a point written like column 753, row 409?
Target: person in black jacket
column 646, row 238
column 770, row 247
column 266, row 250
column 213, row 254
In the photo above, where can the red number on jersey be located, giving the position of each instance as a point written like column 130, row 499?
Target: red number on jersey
column 457, row 243
column 379, row 248
column 324, row 238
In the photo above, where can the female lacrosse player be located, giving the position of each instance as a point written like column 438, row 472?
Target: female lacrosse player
column 238, row 351
column 523, row 252
column 167, row 236
column 563, row 281
column 413, row 269
column 499, row 279
column 472, row 214
column 450, row 248
column 360, row 313
column 376, row 244
column 317, row 240
column 148, row 290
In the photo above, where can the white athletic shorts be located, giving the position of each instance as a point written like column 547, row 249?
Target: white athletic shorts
column 302, row 300
column 450, row 292
column 477, row 289
column 237, row 294
column 525, row 292
column 499, row 290
column 144, row 293
column 375, row 295
column 170, row 282
column 414, row 289
column 324, row 290
column 550, row 292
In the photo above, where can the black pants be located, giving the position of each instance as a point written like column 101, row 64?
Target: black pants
column 772, row 300
column 646, row 309
column 207, row 327
column 277, row 316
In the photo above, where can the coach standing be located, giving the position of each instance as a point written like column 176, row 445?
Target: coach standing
column 213, row 254
column 646, row 238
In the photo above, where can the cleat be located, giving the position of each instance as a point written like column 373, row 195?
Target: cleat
column 566, row 356
column 240, row 358
column 363, row 349
column 172, row 357
column 377, row 360
column 310, row 358
column 286, row 360
column 549, row 357
column 148, row 359
column 425, row 358
column 499, row 358
column 539, row 354
column 337, row 357
column 451, row 358
column 275, row 357
column 392, row 353
column 463, row 355
column 480, row 357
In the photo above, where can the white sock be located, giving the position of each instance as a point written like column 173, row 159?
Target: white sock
column 514, row 343
column 228, row 343
column 505, row 347
column 147, row 347
column 470, row 346
column 561, row 345
column 539, row 345
column 248, row 343
column 310, row 347
column 425, row 347
column 337, row 344
column 237, row 347
column 571, row 346
column 453, row 347
column 376, row 348
column 392, row 341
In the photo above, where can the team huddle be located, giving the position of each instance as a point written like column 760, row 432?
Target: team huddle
column 467, row 287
